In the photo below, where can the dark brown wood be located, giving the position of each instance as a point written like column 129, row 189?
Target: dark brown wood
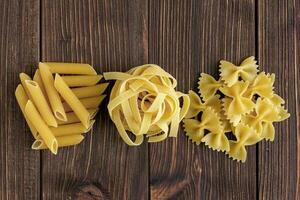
column 187, row 38
column 19, row 52
column 112, row 36
column 278, row 50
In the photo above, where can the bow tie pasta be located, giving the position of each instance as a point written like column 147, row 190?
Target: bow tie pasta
column 236, row 110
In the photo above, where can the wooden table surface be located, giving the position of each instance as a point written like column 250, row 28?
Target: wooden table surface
column 185, row 37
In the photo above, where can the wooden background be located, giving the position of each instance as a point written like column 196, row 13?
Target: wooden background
column 186, row 38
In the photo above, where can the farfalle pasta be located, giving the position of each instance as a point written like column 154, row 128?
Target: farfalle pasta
column 242, row 101
column 144, row 102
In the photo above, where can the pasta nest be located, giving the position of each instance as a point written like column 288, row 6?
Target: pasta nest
column 144, row 102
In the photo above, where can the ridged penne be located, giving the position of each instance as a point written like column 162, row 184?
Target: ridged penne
column 70, row 129
column 24, row 77
column 41, row 103
column 91, row 102
column 37, row 78
column 63, row 141
column 52, row 94
column 72, row 117
column 22, row 99
column 90, row 91
column 42, row 128
column 72, row 100
column 81, row 81
column 71, row 68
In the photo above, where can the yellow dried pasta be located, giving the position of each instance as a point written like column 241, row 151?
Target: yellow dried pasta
column 240, row 101
column 50, row 130
column 231, row 73
column 245, row 136
column 144, row 102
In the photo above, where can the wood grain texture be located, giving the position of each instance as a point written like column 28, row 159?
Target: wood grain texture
column 112, row 36
column 19, row 51
column 187, row 38
column 278, row 50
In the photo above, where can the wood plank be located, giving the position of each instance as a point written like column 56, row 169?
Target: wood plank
column 187, row 38
column 112, row 36
column 19, row 52
column 278, row 45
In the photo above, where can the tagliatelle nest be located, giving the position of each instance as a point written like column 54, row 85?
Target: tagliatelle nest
column 144, row 102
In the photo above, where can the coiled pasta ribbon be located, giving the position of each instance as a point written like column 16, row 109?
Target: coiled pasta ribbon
column 144, row 101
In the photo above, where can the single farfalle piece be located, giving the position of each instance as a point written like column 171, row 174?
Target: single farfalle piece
column 265, row 112
column 245, row 136
column 233, row 118
column 208, row 86
column 217, row 141
column 239, row 104
column 195, row 129
column 197, row 106
column 231, row 73
column 262, row 86
column 278, row 102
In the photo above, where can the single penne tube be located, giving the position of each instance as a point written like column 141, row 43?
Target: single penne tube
column 72, row 117
column 71, row 129
column 91, row 102
column 23, row 78
column 41, row 103
column 81, row 81
column 63, row 141
column 22, row 99
column 42, row 128
column 90, row 91
column 52, row 94
column 71, row 68
column 72, row 100
column 37, row 78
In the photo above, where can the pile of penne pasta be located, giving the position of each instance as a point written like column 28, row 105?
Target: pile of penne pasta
column 59, row 103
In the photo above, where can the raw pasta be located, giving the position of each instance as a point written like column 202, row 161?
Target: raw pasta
column 41, row 103
column 143, row 101
column 71, row 68
column 42, row 128
column 208, row 86
column 54, row 130
column 72, row 117
column 52, row 93
column 90, row 91
column 71, row 129
column 231, row 73
column 22, row 99
column 81, row 81
column 67, row 94
column 37, row 78
column 63, row 141
column 88, row 103
column 242, row 102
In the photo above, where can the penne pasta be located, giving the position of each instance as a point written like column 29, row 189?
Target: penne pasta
column 90, row 91
column 52, row 94
column 22, row 99
column 71, row 129
column 40, row 102
column 63, row 141
column 37, row 78
column 72, row 100
column 71, row 68
column 91, row 102
column 39, row 124
column 72, row 117
column 23, row 78
column 81, row 81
